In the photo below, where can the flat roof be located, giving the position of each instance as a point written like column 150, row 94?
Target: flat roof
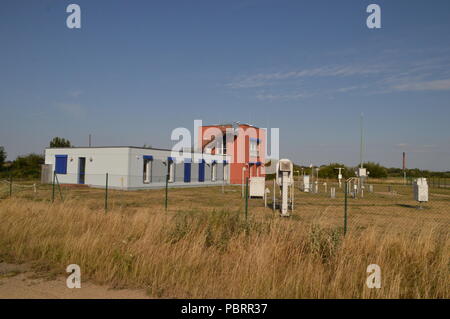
column 91, row 147
column 231, row 124
column 135, row 147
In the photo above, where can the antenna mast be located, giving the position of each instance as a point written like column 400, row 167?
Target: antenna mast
column 362, row 143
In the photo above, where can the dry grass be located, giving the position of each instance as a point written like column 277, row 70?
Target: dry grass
column 194, row 251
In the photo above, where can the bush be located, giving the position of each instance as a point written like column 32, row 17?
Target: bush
column 28, row 166
column 376, row 170
column 2, row 157
column 331, row 171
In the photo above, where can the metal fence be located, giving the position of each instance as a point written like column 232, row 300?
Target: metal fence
column 106, row 190
column 383, row 207
column 380, row 206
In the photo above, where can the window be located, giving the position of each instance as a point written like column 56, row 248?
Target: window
column 187, row 170
column 147, row 170
column 254, row 142
column 225, row 171
column 171, row 169
column 214, row 171
column 61, row 164
column 201, row 171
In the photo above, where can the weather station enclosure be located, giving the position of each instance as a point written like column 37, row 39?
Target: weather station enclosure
column 257, row 187
column 420, row 189
column 285, row 179
column 133, row 167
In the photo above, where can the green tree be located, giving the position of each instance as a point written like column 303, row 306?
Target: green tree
column 395, row 172
column 2, row 157
column 376, row 170
column 59, row 142
column 331, row 171
column 28, row 166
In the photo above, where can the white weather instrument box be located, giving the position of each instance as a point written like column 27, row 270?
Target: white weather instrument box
column 306, row 185
column 421, row 190
column 257, row 186
column 362, row 172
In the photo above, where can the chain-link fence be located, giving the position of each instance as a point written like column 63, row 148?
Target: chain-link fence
column 379, row 206
column 114, row 191
column 382, row 207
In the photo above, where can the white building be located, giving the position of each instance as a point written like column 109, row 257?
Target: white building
column 134, row 167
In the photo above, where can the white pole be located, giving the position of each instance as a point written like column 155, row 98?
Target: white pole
column 273, row 204
column 265, row 197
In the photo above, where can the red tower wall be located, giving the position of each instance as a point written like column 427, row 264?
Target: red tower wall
column 239, row 150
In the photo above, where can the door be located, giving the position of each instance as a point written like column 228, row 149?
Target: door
column 187, row 172
column 201, row 171
column 81, row 169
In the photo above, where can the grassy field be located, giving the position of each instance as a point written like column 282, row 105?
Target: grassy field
column 204, row 247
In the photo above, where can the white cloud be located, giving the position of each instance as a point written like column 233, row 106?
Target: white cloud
column 75, row 93
column 285, row 97
column 389, row 75
column 71, row 109
column 263, row 79
column 434, row 85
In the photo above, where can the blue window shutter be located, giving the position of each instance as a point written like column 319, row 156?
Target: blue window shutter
column 148, row 157
column 187, row 172
column 61, row 164
column 201, row 171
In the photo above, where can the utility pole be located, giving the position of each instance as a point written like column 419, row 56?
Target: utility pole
column 404, row 168
column 89, row 140
column 362, row 143
column 361, row 178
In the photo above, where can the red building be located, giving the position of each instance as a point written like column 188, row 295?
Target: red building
column 245, row 144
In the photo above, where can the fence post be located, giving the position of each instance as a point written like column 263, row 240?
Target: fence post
column 106, row 193
column 345, row 208
column 59, row 187
column 167, row 186
column 10, row 184
column 53, row 186
column 246, row 198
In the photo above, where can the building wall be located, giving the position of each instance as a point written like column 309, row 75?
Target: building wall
column 99, row 161
column 125, row 167
column 240, row 156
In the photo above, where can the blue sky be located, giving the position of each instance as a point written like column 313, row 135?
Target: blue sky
column 138, row 69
